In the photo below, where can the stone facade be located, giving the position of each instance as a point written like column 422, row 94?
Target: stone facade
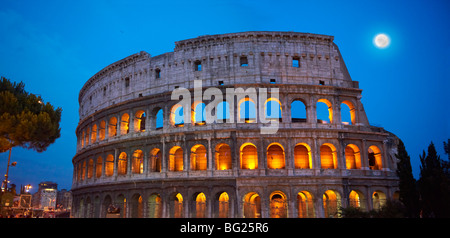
column 125, row 159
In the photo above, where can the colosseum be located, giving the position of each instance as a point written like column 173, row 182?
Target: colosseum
column 140, row 153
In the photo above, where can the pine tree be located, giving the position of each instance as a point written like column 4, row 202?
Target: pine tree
column 434, row 185
column 25, row 120
column 409, row 195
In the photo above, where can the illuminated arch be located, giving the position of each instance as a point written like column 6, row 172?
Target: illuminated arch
column 331, row 203
column 94, row 133
column 177, row 210
column 375, row 158
column 302, row 156
column 139, row 121
column 328, row 156
column 125, row 124
column 320, row 117
column 278, row 205
column 112, row 127
column 122, row 164
column 155, row 160
column 176, row 159
column 252, row 205
column 199, row 160
column 305, row 205
column 102, row 130
column 137, row 162
column 200, row 205
column 248, row 156
column 223, row 157
column 357, row 200
column 350, row 110
column 352, row 157
column 224, row 205
column 275, row 156
column 109, row 165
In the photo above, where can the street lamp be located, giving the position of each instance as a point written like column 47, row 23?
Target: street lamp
column 27, row 188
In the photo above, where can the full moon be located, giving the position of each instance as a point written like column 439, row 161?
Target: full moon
column 382, row 41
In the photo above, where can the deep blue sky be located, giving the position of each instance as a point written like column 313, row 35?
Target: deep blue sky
column 54, row 47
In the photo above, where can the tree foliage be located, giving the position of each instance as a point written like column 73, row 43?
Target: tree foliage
column 409, row 195
column 25, row 120
column 391, row 209
column 434, row 185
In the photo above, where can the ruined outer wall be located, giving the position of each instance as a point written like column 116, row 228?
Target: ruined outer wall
column 131, row 85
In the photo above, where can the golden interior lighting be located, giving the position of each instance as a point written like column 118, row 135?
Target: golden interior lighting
column 124, row 124
column 302, row 156
column 176, row 159
column 328, row 157
column 305, row 205
column 200, row 205
column 223, row 205
column 375, row 159
column 275, row 156
column 122, row 165
column 155, row 161
column 252, row 205
column 330, row 203
column 112, row 127
column 223, row 157
column 139, row 121
column 137, row 163
column 94, row 133
column 102, row 130
column 249, row 156
column 352, row 157
column 354, row 199
column 109, row 165
column 198, row 157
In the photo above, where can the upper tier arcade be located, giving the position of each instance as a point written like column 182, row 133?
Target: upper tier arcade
column 228, row 59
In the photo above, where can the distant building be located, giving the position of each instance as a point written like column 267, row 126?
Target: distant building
column 45, row 197
column 64, row 199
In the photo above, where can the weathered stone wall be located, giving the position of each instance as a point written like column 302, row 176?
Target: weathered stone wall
column 130, row 86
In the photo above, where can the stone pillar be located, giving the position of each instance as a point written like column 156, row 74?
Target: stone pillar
column 131, row 121
column 116, row 160
column 337, row 120
column 316, row 154
column 286, row 109
column 364, row 157
column 210, row 167
column 311, row 114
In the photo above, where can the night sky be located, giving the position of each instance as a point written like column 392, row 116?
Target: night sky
column 54, row 47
